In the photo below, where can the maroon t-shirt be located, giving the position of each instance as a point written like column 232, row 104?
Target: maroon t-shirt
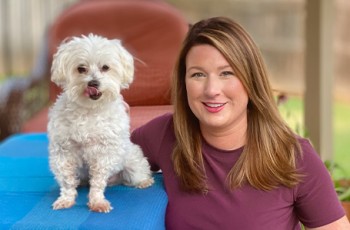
column 313, row 202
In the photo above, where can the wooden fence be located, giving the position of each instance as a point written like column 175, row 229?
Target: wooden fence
column 276, row 25
column 22, row 26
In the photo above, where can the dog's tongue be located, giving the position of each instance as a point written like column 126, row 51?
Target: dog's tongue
column 91, row 91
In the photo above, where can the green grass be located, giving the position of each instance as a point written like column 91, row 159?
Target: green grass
column 292, row 111
column 2, row 78
column 341, row 124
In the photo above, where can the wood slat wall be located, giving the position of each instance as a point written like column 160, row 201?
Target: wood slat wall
column 277, row 26
column 22, row 25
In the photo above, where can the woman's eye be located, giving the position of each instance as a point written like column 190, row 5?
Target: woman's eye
column 197, row 75
column 105, row 68
column 227, row 73
column 82, row 69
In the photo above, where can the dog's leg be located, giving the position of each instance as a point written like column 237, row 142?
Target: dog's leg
column 66, row 176
column 136, row 170
column 99, row 175
column 115, row 179
column 66, row 198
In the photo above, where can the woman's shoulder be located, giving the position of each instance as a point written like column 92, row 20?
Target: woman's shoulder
column 310, row 163
column 155, row 139
column 158, row 126
column 160, row 122
column 316, row 191
column 308, row 154
column 305, row 144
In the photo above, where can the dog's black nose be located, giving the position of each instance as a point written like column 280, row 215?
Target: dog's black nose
column 94, row 83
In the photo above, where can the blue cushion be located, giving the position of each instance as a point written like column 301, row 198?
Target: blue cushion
column 28, row 188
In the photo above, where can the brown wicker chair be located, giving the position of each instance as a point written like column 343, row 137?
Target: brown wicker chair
column 150, row 29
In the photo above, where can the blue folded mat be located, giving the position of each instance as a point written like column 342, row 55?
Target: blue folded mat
column 28, row 189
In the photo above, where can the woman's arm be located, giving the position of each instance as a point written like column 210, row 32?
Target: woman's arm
column 341, row 224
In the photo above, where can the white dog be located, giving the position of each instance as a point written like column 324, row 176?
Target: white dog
column 88, row 125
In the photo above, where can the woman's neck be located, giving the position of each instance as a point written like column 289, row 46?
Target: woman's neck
column 226, row 138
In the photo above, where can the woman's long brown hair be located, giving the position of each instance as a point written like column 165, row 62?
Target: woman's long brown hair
column 269, row 156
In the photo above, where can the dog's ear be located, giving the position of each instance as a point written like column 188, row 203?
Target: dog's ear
column 127, row 62
column 59, row 64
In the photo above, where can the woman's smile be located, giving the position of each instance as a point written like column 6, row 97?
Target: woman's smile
column 214, row 107
column 215, row 94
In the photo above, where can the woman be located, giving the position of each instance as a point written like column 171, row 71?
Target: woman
column 229, row 160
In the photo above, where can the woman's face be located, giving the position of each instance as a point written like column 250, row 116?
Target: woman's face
column 215, row 94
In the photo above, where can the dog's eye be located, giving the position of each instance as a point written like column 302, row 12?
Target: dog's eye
column 82, row 69
column 105, row 68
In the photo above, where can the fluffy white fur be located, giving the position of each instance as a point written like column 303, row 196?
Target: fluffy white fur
column 88, row 125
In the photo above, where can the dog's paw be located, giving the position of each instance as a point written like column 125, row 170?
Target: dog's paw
column 100, row 206
column 62, row 203
column 146, row 183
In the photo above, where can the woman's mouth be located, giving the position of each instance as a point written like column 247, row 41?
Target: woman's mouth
column 214, row 107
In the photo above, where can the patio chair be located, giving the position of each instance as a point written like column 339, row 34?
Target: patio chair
column 151, row 30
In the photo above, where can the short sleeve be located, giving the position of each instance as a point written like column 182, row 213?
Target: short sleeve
column 316, row 201
column 150, row 138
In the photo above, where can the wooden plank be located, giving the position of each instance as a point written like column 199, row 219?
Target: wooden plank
column 319, row 75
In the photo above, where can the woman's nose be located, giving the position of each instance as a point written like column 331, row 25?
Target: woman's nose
column 212, row 86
